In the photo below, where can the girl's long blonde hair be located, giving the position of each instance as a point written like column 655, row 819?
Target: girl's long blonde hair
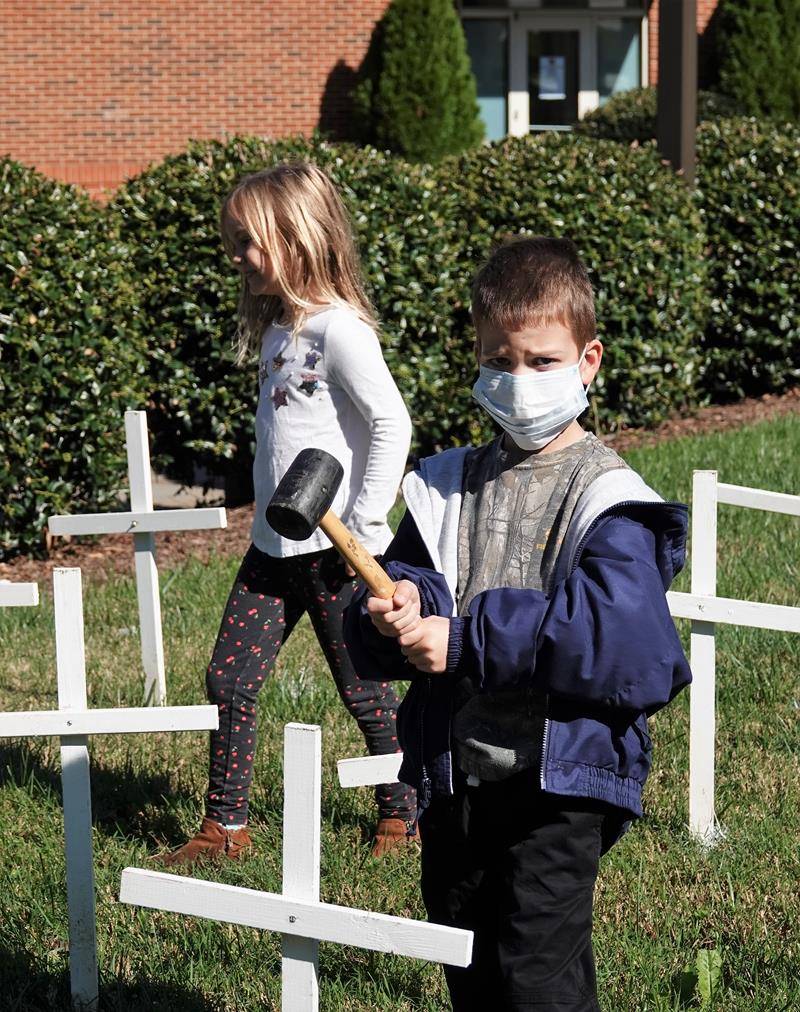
column 295, row 215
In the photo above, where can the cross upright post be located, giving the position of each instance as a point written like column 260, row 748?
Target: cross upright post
column 302, row 760
column 76, row 786
column 144, row 548
column 142, row 521
column 73, row 722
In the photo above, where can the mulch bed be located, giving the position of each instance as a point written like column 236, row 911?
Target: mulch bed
column 113, row 554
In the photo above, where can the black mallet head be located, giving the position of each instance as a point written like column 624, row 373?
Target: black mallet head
column 304, row 494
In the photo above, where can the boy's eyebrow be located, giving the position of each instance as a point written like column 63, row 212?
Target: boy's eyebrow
column 538, row 352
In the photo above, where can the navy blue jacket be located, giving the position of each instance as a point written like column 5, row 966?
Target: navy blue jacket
column 602, row 650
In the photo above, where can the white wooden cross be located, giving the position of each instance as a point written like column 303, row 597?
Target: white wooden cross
column 704, row 609
column 143, row 523
column 73, row 722
column 297, row 912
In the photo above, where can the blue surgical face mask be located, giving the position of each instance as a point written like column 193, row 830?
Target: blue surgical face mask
column 533, row 408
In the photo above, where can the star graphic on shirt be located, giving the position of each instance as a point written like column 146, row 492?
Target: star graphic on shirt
column 310, row 383
column 312, row 357
column 279, row 397
column 263, row 372
column 278, row 362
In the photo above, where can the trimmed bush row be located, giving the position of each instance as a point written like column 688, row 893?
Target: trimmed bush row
column 749, row 193
column 631, row 115
column 695, row 293
column 72, row 355
column 748, row 179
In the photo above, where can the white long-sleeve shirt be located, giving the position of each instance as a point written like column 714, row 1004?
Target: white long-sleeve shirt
column 330, row 388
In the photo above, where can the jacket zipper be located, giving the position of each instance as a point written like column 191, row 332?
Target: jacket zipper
column 425, row 781
column 545, row 736
column 600, row 516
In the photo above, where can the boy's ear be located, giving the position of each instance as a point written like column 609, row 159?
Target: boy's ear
column 592, row 357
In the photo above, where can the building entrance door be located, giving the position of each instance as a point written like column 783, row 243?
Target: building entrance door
column 553, row 62
column 554, row 67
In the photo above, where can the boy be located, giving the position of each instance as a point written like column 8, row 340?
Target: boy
column 530, row 615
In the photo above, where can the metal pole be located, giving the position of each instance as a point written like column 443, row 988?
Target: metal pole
column 677, row 84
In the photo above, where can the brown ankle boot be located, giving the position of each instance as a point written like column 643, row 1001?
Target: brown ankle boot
column 213, row 841
column 391, row 834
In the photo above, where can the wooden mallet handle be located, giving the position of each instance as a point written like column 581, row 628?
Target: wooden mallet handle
column 359, row 558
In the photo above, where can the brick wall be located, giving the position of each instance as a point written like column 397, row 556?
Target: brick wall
column 705, row 11
column 94, row 90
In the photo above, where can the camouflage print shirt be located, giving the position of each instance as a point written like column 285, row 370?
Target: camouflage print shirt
column 515, row 512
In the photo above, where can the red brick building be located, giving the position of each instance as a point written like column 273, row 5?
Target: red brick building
column 94, row 90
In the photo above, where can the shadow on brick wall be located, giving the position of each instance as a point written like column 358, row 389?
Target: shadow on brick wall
column 708, row 54
column 336, row 109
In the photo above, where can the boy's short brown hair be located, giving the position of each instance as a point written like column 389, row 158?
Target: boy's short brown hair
column 533, row 282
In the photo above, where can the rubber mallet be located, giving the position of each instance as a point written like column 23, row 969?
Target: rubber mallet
column 302, row 502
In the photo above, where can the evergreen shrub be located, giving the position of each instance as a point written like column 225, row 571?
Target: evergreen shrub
column 758, row 49
column 71, row 358
column 748, row 178
column 417, row 95
column 631, row 115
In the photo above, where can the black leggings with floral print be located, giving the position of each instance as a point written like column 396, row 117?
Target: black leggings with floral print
column 268, row 598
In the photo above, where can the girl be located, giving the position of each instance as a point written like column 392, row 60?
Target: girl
column 323, row 383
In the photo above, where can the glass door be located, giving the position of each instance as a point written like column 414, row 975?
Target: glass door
column 553, row 77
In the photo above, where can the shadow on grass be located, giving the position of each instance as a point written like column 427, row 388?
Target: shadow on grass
column 27, row 987
column 119, row 794
column 142, row 806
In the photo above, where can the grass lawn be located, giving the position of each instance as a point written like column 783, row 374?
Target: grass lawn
column 660, row 901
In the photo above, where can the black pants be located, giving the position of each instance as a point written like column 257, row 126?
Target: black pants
column 268, row 598
column 517, row 866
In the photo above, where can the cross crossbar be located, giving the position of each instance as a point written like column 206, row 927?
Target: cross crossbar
column 730, row 611
column 18, row 595
column 125, row 720
column 325, row 922
column 758, row 499
column 367, row 770
column 208, row 518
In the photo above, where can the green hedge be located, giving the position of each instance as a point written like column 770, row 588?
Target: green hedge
column 71, row 360
column 749, row 189
column 423, row 231
column 135, row 304
column 631, row 115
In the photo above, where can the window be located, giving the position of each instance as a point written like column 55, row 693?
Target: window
column 487, row 44
column 618, row 56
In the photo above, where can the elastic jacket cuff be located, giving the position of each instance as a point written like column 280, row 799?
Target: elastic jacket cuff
column 457, row 646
